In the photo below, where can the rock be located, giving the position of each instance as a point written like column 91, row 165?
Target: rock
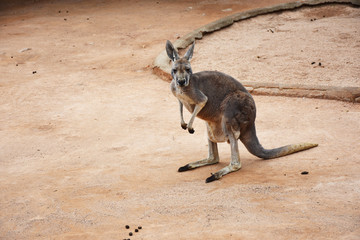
column 24, row 50
column 250, row 89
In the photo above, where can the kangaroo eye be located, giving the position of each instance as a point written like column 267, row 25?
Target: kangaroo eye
column 174, row 71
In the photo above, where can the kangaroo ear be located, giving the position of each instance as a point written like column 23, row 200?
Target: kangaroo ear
column 189, row 53
column 171, row 52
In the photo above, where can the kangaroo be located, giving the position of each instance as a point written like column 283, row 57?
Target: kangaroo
column 227, row 108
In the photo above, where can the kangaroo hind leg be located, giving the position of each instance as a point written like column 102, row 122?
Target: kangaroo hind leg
column 213, row 158
column 234, row 163
column 238, row 111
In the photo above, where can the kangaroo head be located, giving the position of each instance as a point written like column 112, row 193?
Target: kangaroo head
column 181, row 68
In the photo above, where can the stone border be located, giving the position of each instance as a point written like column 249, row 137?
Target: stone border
column 162, row 66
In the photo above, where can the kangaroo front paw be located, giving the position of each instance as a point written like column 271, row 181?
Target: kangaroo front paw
column 184, row 126
column 191, row 130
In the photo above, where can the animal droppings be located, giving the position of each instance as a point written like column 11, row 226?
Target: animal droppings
column 130, row 234
column 312, row 63
column 127, row 226
column 136, row 230
column 304, row 173
column 139, row 227
column 34, row 72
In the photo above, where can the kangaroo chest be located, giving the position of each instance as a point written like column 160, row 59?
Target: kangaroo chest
column 184, row 97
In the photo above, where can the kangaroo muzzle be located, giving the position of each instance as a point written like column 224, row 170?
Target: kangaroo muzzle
column 182, row 82
column 182, row 79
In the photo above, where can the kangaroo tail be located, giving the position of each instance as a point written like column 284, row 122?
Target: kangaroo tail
column 253, row 145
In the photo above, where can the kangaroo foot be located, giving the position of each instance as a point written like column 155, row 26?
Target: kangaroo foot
column 185, row 168
column 191, row 130
column 184, row 126
column 213, row 177
column 222, row 172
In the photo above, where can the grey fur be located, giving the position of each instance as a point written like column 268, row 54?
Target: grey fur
column 227, row 108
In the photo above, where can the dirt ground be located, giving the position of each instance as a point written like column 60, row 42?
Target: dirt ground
column 308, row 46
column 90, row 139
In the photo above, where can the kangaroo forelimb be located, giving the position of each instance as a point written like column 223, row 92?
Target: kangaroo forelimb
column 183, row 124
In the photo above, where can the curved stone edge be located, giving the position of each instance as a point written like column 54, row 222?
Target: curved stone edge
column 162, row 67
column 349, row 94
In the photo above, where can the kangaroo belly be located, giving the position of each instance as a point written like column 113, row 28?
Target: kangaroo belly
column 215, row 132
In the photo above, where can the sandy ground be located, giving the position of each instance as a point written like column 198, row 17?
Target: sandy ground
column 90, row 139
column 307, row 46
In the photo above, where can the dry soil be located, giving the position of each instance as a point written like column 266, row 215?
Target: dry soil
column 90, row 139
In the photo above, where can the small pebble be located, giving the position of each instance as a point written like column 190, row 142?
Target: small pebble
column 24, row 50
column 304, row 173
column 227, row 10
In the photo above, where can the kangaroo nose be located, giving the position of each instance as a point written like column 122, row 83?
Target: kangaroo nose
column 181, row 82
